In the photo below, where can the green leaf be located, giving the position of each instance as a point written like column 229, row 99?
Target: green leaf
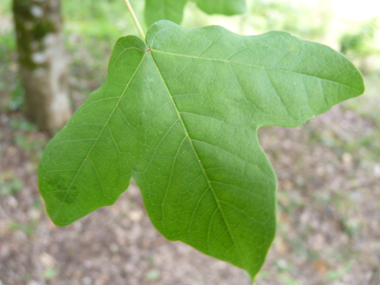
column 173, row 9
column 180, row 114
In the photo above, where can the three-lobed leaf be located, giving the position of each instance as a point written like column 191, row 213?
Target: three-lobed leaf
column 179, row 113
column 173, row 9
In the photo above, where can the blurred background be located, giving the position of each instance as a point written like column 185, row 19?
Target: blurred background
column 328, row 169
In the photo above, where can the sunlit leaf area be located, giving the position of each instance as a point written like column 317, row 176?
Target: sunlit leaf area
column 328, row 169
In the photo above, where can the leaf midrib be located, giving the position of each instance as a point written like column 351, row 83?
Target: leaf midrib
column 255, row 65
column 199, row 160
column 96, row 140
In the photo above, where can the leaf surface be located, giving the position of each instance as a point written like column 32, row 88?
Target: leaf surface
column 180, row 114
column 173, row 9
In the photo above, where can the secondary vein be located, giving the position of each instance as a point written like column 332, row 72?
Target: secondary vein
column 100, row 133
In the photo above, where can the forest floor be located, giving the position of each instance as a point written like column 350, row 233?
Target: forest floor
column 328, row 202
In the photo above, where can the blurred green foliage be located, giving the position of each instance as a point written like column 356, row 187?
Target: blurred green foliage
column 104, row 20
column 21, row 125
column 6, row 8
column 16, row 96
column 25, row 228
column 290, row 16
column 9, row 183
column 361, row 42
column 8, row 82
column 50, row 273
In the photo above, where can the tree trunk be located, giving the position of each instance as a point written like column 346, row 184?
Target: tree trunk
column 43, row 65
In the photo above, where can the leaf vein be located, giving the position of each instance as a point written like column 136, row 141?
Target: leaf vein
column 254, row 65
column 93, row 145
column 199, row 161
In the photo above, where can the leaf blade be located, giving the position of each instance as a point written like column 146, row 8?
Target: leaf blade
column 272, row 52
column 181, row 118
column 214, row 248
column 87, row 135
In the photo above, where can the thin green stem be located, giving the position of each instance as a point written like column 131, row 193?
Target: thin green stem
column 141, row 32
